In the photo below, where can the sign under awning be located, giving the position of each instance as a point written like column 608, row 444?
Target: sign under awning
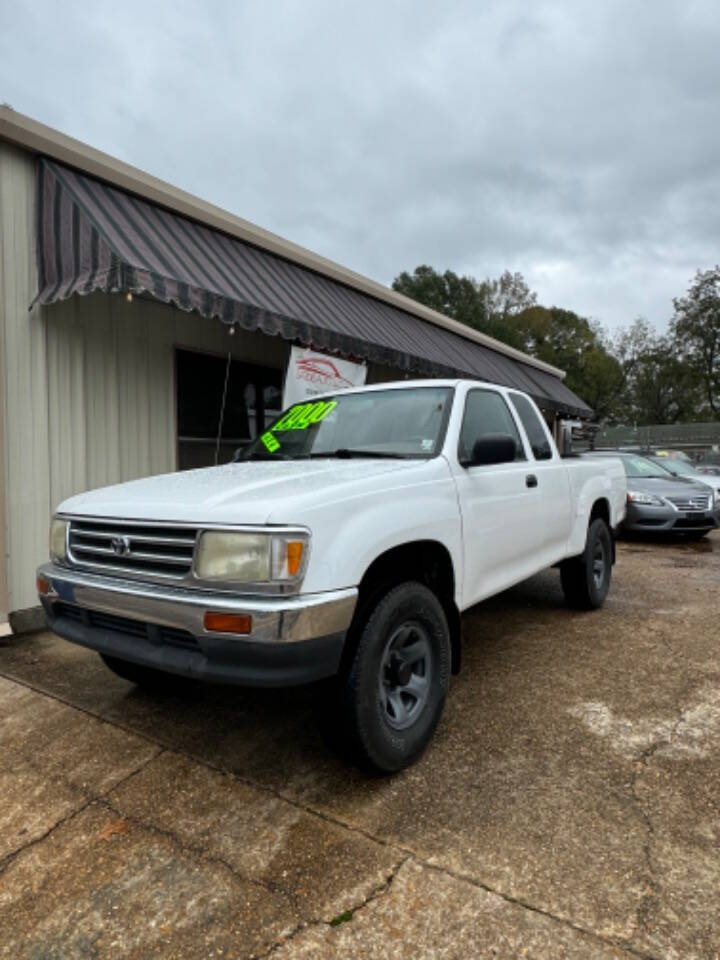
column 309, row 374
column 96, row 237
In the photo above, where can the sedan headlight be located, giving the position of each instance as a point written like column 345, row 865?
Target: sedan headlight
column 58, row 539
column 251, row 557
column 647, row 499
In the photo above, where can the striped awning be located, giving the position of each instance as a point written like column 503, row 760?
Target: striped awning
column 96, row 237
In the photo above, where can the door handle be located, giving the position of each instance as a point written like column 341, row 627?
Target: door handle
column 531, row 480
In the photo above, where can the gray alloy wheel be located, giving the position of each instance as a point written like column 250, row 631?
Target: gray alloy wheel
column 599, row 563
column 406, row 675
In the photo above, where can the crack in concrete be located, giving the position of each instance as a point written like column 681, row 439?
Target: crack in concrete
column 89, row 800
column 533, row 908
column 380, row 891
column 211, row 858
column 640, row 765
column 353, row 828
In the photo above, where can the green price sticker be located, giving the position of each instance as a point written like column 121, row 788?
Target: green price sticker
column 300, row 417
column 270, row 442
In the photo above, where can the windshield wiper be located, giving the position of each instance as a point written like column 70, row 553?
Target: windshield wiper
column 345, row 453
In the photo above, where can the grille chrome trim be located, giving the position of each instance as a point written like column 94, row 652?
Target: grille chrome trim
column 152, row 550
column 697, row 502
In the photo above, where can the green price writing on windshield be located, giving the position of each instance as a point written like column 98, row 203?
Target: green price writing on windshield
column 305, row 414
column 298, row 418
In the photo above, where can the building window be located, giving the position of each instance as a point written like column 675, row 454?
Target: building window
column 254, row 398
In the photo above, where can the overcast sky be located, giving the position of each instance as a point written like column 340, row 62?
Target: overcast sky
column 577, row 142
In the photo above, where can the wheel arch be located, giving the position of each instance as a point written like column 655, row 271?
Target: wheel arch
column 427, row 561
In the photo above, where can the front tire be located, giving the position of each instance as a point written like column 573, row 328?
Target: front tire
column 392, row 691
column 586, row 579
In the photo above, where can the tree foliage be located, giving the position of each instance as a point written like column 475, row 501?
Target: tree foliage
column 578, row 347
column 506, row 297
column 487, row 306
column 659, row 387
column 641, row 377
column 695, row 329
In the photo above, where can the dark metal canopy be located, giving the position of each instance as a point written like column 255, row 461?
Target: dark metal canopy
column 95, row 237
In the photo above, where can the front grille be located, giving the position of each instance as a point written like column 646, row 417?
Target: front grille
column 700, row 502
column 122, row 547
column 153, row 633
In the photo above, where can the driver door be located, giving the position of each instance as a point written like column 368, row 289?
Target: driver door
column 497, row 502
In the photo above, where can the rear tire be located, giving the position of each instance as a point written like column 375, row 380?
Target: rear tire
column 146, row 677
column 391, row 693
column 586, row 579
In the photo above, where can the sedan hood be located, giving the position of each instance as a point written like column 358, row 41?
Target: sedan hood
column 237, row 493
column 668, row 486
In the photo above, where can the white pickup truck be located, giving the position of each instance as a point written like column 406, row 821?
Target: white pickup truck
column 344, row 542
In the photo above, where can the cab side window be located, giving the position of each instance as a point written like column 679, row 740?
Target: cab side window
column 534, row 428
column 486, row 413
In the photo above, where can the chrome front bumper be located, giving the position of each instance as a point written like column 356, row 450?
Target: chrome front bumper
column 274, row 619
column 292, row 640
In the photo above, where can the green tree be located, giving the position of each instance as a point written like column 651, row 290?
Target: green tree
column 488, row 306
column 695, row 332
column 506, row 297
column 580, row 348
column 447, row 293
column 660, row 387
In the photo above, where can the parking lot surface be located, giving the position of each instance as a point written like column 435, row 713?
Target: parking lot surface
column 569, row 805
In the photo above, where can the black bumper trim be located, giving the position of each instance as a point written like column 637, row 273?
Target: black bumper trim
column 217, row 659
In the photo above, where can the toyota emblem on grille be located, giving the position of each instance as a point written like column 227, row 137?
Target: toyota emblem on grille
column 120, row 546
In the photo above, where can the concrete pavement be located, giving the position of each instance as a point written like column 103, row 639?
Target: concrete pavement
column 568, row 807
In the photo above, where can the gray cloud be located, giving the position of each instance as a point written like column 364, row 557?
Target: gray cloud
column 574, row 141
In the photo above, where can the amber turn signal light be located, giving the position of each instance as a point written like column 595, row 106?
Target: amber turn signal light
column 43, row 586
column 228, row 622
column 294, row 556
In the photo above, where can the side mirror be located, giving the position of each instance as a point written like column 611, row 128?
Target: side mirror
column 492, row 448
column 238, row 455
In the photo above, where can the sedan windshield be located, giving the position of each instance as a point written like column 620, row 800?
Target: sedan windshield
column 679, row 468
column 408, row 423
column 642, row 467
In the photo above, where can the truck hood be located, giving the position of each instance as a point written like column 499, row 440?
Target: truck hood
column 237, row 493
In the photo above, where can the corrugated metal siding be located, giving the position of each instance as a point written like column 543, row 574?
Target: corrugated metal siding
column 26, row 442
column 89, row 392
column 4, row 605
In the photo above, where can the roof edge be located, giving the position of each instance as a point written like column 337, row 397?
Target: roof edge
column 31, row 135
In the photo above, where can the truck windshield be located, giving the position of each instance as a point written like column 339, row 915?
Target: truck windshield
column 407, row 423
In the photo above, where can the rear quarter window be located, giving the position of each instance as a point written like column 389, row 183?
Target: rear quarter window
column 534, row 427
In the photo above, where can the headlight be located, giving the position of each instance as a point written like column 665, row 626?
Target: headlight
column 646, row 498
column 58, row 539
column 251, row 557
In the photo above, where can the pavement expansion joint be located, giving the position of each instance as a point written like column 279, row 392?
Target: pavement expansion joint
column 533, row 908
column 90, row 799
column 11, row 857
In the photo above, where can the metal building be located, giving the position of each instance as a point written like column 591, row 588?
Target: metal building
column 117, row 292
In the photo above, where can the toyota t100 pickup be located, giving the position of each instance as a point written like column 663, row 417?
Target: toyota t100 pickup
column 344, row 543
